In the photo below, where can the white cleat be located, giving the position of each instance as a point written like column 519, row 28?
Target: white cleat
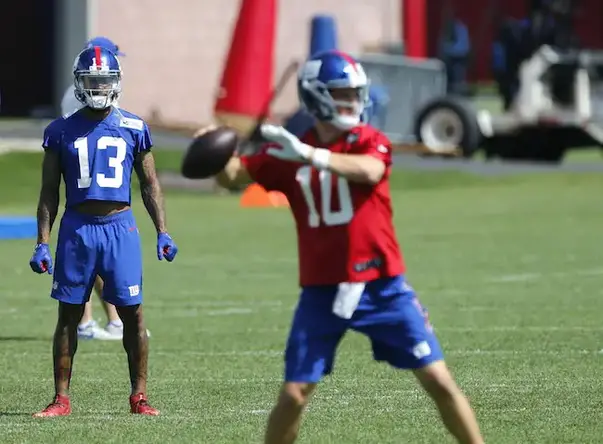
column 114, row 330
column 91, row 330
column 118, row 330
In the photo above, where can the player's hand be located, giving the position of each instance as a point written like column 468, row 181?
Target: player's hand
column 204, row 129
column 291, row 147
column 166, row 247
column 41, row 260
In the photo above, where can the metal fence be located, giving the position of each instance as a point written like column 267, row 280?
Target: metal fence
column 409, row 84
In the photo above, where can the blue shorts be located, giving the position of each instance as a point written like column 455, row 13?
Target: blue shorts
column 389, row 313
column 107, row 246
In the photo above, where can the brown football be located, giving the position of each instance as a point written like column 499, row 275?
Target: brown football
column 209, row 153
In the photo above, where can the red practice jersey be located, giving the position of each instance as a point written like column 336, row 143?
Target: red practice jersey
column 345, row 231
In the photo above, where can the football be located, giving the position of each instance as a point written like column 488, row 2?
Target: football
column 209, row 152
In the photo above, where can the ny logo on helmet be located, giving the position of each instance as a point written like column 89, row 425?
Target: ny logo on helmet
column 102, row 66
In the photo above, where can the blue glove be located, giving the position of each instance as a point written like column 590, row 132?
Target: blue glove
column 41, row 261
column 166, row 247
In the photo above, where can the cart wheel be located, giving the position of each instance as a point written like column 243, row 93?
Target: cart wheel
column 446, row 124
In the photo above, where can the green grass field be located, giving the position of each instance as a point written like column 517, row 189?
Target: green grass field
column 509, row 267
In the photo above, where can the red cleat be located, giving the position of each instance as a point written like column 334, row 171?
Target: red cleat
column 139, row 405
column 60, row 406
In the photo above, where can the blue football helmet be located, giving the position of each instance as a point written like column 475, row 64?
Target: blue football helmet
column 97, row 78
column 104, row 42
column 325, row 72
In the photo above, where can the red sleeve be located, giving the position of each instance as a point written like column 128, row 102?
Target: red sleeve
column 265, row 170
column 376, row 144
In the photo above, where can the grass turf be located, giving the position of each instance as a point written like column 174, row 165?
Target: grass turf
column 508, row 266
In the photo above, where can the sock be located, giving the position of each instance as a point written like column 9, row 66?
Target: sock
column 116, row 324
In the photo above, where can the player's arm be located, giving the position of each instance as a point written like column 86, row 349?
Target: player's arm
column 48, row 203
column 234, row 174
column 361, row 168
column 150, row 189
column 367, row 166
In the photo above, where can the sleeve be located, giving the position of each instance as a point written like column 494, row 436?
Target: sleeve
column 52, row 138
column 376, row 144
column 265, row 170
column 145, row 143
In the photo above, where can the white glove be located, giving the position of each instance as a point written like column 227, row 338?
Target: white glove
column 291, row 147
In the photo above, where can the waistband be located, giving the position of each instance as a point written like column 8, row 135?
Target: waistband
column 88, row 219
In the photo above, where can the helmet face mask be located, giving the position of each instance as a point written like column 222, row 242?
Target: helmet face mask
column 97, row 78
column 334, row 88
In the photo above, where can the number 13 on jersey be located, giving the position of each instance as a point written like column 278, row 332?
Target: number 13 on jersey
column 329, row 217
column 116, row 162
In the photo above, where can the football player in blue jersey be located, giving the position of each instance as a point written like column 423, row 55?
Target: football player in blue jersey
column 88, row 327
column 95, row 151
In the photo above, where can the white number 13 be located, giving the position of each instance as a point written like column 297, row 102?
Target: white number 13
column 346, row 211
column 81, row 145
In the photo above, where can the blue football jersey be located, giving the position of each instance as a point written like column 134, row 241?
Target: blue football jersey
column 97, row 157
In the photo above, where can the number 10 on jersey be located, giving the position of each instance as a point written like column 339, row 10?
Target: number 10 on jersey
column 116, row 163
column 329, row 217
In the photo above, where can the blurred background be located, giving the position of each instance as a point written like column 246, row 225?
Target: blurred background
column 176, row 50
column 436, row 65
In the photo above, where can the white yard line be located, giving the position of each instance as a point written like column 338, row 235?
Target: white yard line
column 534, row 276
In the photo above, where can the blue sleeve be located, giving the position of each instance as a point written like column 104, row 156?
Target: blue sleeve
column 145, row 142
column 52, row 138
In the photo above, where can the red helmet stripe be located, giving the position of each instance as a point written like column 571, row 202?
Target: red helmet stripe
column 348, row 58
column 97, row 55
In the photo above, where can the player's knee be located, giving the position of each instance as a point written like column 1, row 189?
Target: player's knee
column 70, row 314
column 131, row 315
column 133, row 322
column 437, row 381
column 295, row 396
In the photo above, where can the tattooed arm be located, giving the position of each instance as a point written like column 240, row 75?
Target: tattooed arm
column 150, row 189
column 48, row 204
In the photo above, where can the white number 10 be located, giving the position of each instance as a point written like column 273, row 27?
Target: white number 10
column 81, row 145
column 329, row 217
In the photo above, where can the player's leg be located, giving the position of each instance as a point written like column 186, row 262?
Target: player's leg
column 121, row 270
column 115, row 327
column 88, row 328
column 87, row 316
column 136, row 344
column 64, row 345
column 285, row 419
column 72, row 283
column 109, row 309
column 400, row 332
column 310, row 353
column 453, row 405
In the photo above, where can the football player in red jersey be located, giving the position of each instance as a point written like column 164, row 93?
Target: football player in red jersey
column 350, row 265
